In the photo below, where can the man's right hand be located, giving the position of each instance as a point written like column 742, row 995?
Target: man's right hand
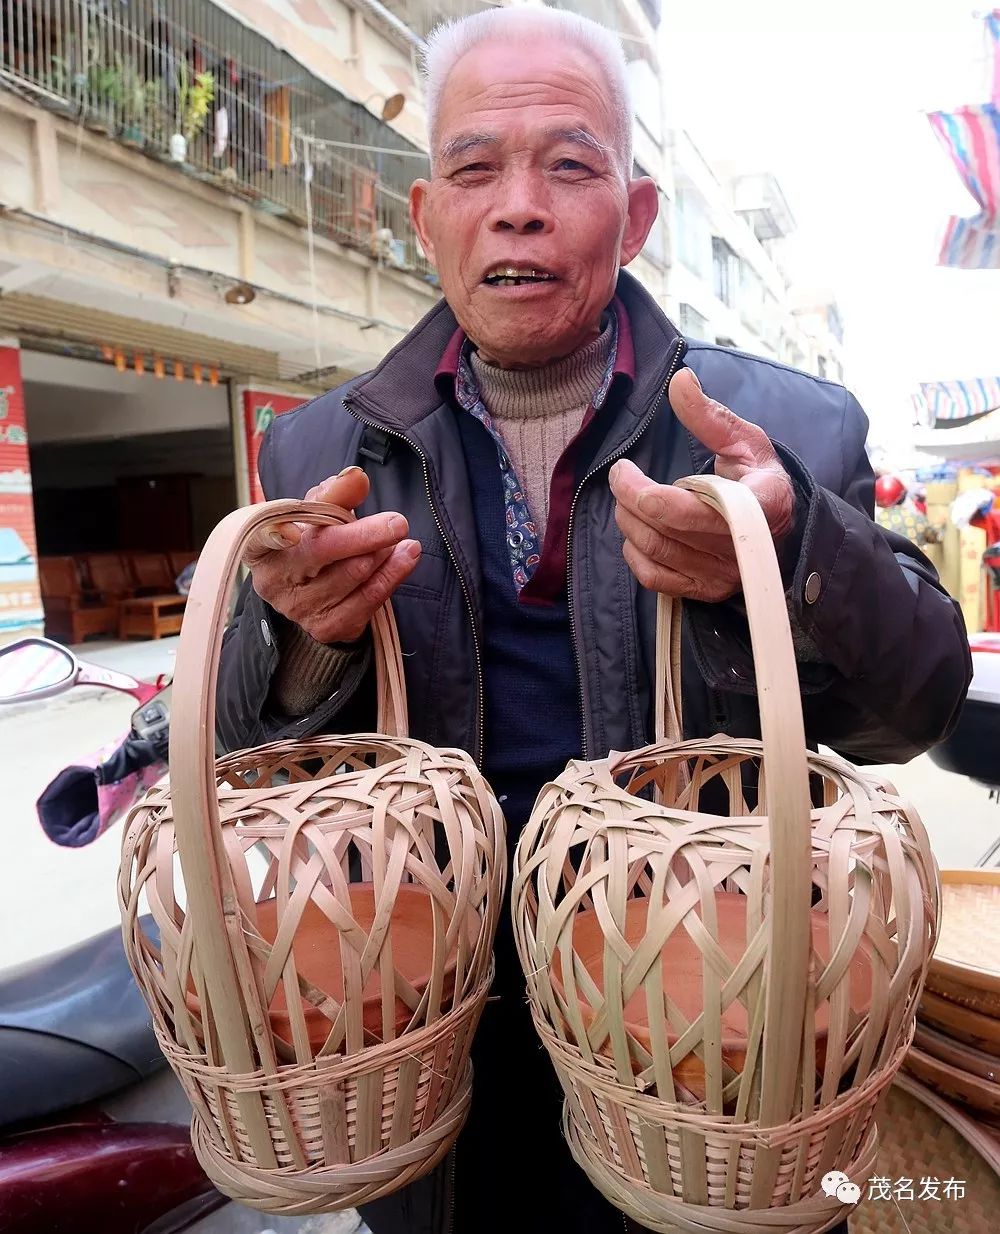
column 331, row 580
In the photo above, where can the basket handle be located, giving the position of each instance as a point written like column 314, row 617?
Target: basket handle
column 208, row 881
column 787, row 780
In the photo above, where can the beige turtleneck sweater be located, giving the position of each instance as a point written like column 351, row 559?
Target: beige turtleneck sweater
column 537, row 412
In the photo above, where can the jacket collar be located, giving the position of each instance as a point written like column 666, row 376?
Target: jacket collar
column 401, row 391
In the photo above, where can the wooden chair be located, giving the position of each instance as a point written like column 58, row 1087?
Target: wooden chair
column 151, row 573
column 70, row 615
column 107, row 574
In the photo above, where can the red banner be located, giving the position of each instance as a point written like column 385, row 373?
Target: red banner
column 259, row 409
column 20, row 598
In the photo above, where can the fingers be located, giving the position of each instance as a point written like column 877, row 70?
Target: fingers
column 270, row 539
column 347, row 619
column 348, row 489
column 674, row 543
column 691, row 576
column 664, row 507
column 320, row 547
column 737, row 445
column 671, row 550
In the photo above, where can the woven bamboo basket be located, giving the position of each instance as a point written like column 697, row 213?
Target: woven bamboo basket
column 725, row 998
column 325, row 913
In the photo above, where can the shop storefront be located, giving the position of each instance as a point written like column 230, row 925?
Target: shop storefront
column 110, row 461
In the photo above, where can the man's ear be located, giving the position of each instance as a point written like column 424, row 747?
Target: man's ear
column 419, row 210
column 643, row 206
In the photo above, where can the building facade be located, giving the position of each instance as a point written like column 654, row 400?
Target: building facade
column 203, row 222
column 729, row 283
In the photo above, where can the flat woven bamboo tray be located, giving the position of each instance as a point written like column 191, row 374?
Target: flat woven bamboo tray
column 966, row 1058
column 954, row 1083
column 965, row 966
column 923, row 1136
column 960, row 1023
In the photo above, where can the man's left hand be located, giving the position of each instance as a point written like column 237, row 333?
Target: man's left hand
column 674, row 542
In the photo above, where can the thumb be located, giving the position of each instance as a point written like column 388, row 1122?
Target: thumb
column 348, row 489
column 733, row 441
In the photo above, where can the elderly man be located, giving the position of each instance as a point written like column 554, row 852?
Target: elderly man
column 511, row 465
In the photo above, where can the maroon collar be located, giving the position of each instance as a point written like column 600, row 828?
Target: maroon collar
column 447, row 369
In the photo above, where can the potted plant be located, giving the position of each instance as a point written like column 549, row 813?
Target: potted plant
column 140, row 99
column 104, row 95
column 194, row 98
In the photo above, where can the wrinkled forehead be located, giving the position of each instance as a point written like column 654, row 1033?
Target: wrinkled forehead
column 525, row 93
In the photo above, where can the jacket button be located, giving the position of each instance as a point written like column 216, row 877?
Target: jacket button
column 814, row 585
column 265, row 629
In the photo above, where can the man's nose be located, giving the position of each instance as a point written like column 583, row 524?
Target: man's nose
column 521, row 206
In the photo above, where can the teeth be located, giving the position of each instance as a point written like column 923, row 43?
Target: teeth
column 502, row 273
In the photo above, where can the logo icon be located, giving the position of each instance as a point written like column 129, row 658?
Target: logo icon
column 836, row 1183
column 832, row 1181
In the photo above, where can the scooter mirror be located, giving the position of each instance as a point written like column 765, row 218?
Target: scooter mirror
column 35, row 668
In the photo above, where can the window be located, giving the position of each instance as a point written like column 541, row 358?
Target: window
column 692, row 323
column 694, row 246
column 725, row 271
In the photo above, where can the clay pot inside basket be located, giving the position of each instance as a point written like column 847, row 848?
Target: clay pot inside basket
column 682, row 981
column 319, row 960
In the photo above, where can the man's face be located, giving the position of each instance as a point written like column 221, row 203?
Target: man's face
column 525, row 178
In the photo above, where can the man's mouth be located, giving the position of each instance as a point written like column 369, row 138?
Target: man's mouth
column 517, row 276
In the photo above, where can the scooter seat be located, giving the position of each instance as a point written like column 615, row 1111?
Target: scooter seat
column 73, row 1028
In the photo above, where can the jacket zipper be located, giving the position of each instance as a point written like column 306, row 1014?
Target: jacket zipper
column 480, row 689
column 679, row 353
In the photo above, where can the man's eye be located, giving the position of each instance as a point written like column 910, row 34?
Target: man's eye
column 571, row 165
column 472, row 167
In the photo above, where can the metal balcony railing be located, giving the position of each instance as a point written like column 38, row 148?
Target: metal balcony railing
column 182, row 80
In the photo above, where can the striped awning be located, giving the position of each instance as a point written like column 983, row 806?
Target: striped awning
column 955, row 401
column 971, row 135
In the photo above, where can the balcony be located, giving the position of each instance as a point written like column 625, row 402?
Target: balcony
column 186, row 83
column 759, row 200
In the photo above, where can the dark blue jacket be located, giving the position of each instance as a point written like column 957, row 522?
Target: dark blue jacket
column 895, row 661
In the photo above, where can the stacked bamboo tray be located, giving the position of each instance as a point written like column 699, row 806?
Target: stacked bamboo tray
column 956, row 1047
column 941, row 1118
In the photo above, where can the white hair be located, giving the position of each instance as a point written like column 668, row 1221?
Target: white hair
column 448, row 42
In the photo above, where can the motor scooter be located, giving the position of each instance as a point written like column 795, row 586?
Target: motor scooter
column 94, row 1128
